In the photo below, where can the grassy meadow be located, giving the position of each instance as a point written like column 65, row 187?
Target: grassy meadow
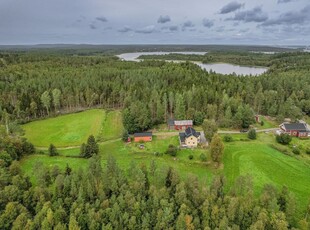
column 112, row 126
column 67, row 130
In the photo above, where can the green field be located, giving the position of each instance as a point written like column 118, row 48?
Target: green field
column 259, row 158
column 267, row 165
column 112, row 126
column 66, row 130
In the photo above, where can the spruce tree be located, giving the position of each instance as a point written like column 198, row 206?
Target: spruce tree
column 91, row 148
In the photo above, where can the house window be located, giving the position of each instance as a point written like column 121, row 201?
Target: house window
column 193, row 143
column 191, row 138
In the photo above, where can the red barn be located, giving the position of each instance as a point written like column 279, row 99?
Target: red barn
column 296, row 129
column 145, row 137
column 180, row 124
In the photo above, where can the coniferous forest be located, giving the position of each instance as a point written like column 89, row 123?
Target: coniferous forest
column 35, row 85
column 39, row 84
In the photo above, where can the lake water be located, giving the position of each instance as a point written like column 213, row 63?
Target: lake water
column 222, row 68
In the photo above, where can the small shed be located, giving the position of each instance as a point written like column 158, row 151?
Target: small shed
column 145, row 137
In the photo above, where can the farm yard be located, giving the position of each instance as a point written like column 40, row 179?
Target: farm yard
column 262, row 159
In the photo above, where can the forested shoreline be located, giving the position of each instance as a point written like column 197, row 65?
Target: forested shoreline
column 34, row 86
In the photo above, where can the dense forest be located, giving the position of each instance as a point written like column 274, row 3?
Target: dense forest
column 34, row 85
column 141, row 197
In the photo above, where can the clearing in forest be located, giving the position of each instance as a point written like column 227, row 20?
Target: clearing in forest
column 66, row 130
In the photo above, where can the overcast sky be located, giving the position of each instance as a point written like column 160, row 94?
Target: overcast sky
column 270, row 22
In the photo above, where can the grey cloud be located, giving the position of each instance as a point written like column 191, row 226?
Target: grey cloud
column 231, row 7
column 284, row 1
column 187, row 24
column 146, row 30
column 163, row 19
column 291, row 17
column 207, row 23
column 244, row 30
column 102, row 19
column 92, row 26
column 220, row 29
column 254, row 15
column 173, row 28
column 125, row 29
column 170, row 28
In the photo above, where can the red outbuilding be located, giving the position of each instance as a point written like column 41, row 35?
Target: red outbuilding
column 145, row 137
column 180, row 124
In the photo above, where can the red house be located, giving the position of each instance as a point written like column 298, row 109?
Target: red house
column 145, row 137
column 296, row 129
column 180, row 124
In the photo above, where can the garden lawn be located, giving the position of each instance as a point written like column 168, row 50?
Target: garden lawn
column 267, row 166
column 66, row 130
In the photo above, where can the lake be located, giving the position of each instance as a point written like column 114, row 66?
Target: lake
column 222, row 68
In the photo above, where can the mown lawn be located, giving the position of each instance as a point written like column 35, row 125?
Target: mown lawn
column 266, row 165
column 66, row 130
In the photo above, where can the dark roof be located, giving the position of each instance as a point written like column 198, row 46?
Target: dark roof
column 191, row 132
column 171, row 122
column 295, row 126
column 182, row 137
column 147, row 134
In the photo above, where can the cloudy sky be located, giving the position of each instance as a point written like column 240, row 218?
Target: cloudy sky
column 270, row 22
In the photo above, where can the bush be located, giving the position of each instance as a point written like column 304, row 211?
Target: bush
column 203, row 157
column 191, row 157
column 296, row 151
column 308, row 151
column 52, row 151
column 252, row 134
column 281, row 149
column 284, row 138
column 262, row 123
column 172, row 150
column 228, row 138
column 125, row 136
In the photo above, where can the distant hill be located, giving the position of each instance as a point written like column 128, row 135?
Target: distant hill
column 117, row 49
